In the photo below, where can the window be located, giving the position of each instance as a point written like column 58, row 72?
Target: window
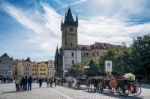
column 86, row 54
column 71, row 44
column 93, row 54
column 97, row 53
column 72, row 54
column 72, row 61
column 71, row 29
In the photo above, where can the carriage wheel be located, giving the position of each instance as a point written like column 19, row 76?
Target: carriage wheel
column 123, row 90
column 136, row 89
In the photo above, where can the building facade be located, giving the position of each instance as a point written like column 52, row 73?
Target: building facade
column 42, row 69
column 51, row 68
column 16, row 67
column 24, row 67
column 34, row 70
column 6, row 66
column 71, row 52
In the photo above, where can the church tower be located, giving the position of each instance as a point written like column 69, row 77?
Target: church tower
column 69, row 52
column 69, row 31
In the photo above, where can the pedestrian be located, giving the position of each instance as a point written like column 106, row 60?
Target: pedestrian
column 55, row 81
column 21, row 83
column 40, row 82
column 25, row 83
column 51, row 82
column 17, row 82
column 48, row 82
column 30, row 83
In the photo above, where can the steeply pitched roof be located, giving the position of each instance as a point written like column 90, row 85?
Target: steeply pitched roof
column 69, row 17
column 5, row 56
column 28, row 59
column 69, row 20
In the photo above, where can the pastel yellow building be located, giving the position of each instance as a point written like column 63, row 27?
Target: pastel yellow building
column 34, row 70
column 42, row 69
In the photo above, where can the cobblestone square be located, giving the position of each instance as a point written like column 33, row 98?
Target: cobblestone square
column 7, row 91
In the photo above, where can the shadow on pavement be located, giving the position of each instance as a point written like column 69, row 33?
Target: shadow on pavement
column 121, row 97
column 7, row 92
column 115, row 95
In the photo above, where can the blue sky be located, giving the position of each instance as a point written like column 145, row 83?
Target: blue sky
column 31, row 28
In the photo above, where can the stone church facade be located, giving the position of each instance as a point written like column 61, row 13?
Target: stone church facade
column 71, row 52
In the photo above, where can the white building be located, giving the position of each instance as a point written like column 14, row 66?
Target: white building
column 51, row 68
column 25, row 67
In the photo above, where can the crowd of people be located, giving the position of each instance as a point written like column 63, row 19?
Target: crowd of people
column 5, row 80
column 25, row 83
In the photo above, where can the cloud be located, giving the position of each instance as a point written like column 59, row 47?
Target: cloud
column 43, row 28
column 20, row 16
column 110, row 30
column 64, row 5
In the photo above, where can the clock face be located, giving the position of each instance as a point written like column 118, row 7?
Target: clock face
column 71, row 29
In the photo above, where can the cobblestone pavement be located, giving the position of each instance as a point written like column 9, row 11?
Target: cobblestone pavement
column 7, row 91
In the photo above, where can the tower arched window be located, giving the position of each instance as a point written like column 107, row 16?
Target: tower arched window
column 72, row 54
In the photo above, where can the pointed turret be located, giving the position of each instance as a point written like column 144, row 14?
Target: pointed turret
column 69, row 17
column 57, row 62
column 69, row 20
column 77, row 20
column 57, row 53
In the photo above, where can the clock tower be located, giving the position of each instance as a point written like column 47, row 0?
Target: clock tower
column 69, row 31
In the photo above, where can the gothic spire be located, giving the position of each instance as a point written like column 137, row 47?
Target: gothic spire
column 69, row 20
column 57, row 53
column 69, row 17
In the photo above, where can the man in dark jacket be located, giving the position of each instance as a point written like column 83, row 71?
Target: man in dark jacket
column 55, row 81
column 40, row 82
column 25, row 83
column 30, row 83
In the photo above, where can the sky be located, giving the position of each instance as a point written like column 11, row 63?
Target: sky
column 31, row 28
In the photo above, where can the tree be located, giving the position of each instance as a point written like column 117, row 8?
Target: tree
column 93, row 69
column 76, row 70
column 141, row 55
column 120, row 58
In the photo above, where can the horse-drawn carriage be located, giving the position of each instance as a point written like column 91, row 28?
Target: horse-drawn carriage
column 122, row 86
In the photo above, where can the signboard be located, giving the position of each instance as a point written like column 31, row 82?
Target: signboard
column 108, row 66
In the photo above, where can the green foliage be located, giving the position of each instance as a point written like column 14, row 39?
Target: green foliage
column 93, row 69
column 141, row 55
column 74, row 71
column 135, row 59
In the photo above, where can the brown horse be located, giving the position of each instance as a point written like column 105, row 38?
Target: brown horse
column 94, row 83
column 61, row 81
